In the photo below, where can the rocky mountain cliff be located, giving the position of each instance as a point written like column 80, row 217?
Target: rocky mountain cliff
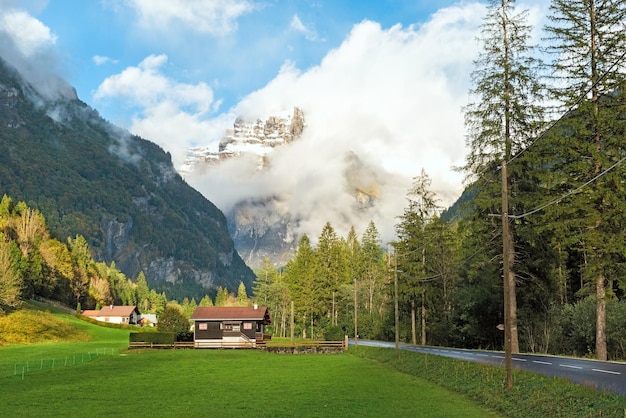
column 119, row 191
column 258, row 138
column 265, row 226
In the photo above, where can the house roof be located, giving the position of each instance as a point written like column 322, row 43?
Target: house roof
column 90, row 312
column 112, row 310
column 225, row 313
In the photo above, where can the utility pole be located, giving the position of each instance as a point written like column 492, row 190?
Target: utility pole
column 291, row 325
column 397, row 315
column 506, row 269
column 356, row 333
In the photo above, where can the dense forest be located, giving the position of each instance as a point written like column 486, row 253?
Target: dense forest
column 33, row 265
column 537, row 240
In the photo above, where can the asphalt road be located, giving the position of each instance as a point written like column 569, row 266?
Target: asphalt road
column 602, row 375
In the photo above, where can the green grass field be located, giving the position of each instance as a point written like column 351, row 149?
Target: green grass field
column 96, row 376
column 101, row 378
column 228, row 383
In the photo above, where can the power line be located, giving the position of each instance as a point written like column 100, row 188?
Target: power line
column 576, row 190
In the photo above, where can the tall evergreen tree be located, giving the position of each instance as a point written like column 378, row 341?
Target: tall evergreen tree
column 331, row 270
column 411, row 246
column 221, row 299
column 143, row 293
column 588, row 40
column 242, row 295
column 82, row 263
column 301, row 278
column 373, row 273
column 503, row 118
column 354, row 261
column 206, row 301
column 265, row 276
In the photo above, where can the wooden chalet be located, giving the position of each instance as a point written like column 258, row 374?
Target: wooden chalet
column 229, row 326
column 115, row 314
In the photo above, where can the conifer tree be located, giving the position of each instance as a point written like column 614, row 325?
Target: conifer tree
column 373, row 268
column 206, row 301
column 300, row 277
column 588, row 42
column 143, row 293
column 265, row 276
column 331, row 270
column 82, row 262
column 221, row 299
column 242, row 295
column 411, row 245
column 503, row 118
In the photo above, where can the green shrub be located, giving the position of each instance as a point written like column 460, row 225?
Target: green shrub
column 152, row 337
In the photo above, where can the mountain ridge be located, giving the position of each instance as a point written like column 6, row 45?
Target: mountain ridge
column 119, row 191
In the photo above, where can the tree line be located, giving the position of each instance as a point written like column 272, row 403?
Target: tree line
column 539, row 243
column 35, row 265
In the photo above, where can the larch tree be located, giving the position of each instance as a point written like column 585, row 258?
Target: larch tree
column 504, row 116
column 588, row 41
column 10, row 281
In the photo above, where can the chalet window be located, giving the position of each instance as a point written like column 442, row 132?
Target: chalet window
column 232, row 326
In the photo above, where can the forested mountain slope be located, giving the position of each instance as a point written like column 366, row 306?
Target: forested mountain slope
column 119, row 191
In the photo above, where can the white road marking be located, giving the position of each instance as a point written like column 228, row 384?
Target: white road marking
column 482, row 355
column 518, row 359
column 605, row 371
column 570, row 367
column 498, row 356
column 542, row 362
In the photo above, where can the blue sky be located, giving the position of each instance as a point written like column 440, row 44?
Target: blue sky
column 384, row 79
column 234, row 55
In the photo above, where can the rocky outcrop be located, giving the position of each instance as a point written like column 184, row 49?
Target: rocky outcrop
column 258, row 137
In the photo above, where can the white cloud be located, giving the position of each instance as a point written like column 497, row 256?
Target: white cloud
column 101, row 60
column 392, row 96
column 171, row 112
column 214, row 17
column 28, row 45
column 28, row 33
column 297, row 25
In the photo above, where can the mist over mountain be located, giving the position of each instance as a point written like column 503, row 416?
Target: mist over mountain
column 268, row 208
column 119, row 191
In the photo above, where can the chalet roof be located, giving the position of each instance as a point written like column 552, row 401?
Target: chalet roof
column 112, row 310
column 90, row 312
column 225, row 313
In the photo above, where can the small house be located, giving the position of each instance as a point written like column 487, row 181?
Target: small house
column 115, row 314
column 229, row 326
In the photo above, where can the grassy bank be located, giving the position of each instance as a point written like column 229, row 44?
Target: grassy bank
column 532, row 395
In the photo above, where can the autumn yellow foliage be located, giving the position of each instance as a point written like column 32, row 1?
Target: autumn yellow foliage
column 27, row 326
